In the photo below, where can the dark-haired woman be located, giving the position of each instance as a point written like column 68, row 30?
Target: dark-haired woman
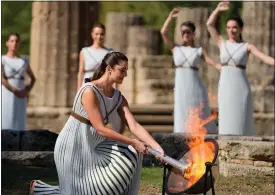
column 189, row 91
column 234, row 96
column 14, row 90
column 91, row 156
column 90, row 57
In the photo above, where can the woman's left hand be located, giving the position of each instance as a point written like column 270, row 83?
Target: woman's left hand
column 160, row 150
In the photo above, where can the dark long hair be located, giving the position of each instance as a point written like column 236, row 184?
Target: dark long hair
column 111, row 59
column 191, row 25
column 14, row 34
column 98, row 25
column 239, row 22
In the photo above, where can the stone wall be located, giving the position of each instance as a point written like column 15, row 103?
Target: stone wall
column 238, row 156
column 246, row 157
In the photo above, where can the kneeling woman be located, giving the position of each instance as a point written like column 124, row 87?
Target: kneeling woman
column 90, row 154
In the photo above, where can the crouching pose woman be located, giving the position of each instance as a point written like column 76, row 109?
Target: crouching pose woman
column 90, row 154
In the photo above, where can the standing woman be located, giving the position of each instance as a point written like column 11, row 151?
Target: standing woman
column 14, row 90
column 234, row 96
column 189, row 91
column 90, row 57
column 92, row 157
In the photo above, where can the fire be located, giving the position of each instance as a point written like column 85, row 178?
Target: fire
column 200, row 152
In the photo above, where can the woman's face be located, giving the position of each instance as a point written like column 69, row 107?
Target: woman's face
column 118, row 72
column 98, row 35
column 187, row 34
column 233, row 29
column 13, row 43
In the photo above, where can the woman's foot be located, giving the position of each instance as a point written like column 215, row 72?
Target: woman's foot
column 32, row 187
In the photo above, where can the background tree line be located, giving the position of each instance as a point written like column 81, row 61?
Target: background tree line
column 17, row 16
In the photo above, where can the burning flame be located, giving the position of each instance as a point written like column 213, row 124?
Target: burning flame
column 200, row 151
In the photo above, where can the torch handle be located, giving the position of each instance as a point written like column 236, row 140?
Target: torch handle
column 171, row 161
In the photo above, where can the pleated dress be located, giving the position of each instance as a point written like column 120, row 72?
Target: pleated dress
column 88, row 163
column 14, row 109
column 234, row 92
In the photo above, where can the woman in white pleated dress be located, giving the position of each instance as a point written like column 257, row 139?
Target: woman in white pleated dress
column 14, row 90
column 234, row 93
column 90, row 57
column 91, row 155
column 189, row 91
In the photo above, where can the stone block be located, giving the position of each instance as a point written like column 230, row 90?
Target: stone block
column 263, row 98
column 143, row 41
column 28, row 158
column 227, row 169
column 248, row 150
column 120, row 22
column 33, row 140
column 264, row 124
column 263, row 164
column 10, row 140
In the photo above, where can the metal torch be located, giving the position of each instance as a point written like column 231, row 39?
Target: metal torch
column 180, row 165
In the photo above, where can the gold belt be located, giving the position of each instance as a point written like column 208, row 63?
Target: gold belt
column 13, row 77
column 237, row 66
column 84, row 120
column 191, row 67
column 80, row 118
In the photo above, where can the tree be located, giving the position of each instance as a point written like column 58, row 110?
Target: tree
column 16, row 17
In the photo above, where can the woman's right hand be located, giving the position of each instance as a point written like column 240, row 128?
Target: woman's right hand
column 174, row 13
column 223, row 6
column 139, row 146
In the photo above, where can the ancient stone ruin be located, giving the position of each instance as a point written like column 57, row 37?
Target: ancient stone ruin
column 58, row 36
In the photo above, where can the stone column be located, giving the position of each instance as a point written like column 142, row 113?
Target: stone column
column 143, row 41
column 117, row 25
column 259, row 29
column 58, row 31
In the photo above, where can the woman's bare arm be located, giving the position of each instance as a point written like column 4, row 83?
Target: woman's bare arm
column 165, row 29
column 211, row 22
column 265, row 58
column 136, row 128
column 206, row 58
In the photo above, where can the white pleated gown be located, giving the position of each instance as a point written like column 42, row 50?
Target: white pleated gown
column 189, row 91
column 13, row 108
column 234, row 92
column 88, row 163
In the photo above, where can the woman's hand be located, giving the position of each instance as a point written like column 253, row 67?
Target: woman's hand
column 20, row 93
column 223, row 6
column 158, row 148
column 139, row 146
column 174, row 13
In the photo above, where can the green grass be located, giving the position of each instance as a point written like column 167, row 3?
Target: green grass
column 152, row 176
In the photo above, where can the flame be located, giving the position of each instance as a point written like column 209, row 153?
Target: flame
column 200, row 151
